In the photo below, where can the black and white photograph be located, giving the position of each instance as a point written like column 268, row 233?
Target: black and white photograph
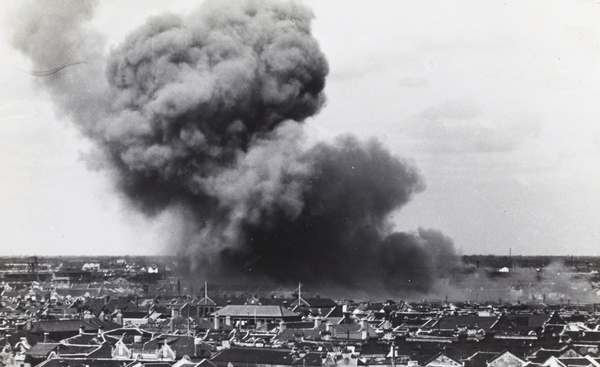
column 285, row 183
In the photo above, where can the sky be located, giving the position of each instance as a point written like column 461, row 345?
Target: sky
column 496, row 103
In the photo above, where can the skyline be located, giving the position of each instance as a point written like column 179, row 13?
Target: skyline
column 497, row 106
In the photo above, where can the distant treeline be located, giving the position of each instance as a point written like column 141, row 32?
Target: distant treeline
column 582, row 263
column 579, row 263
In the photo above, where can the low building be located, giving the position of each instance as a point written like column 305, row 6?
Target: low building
column 253, row 316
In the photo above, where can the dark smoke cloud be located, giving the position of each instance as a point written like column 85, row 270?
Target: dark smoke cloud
column 346, row 196
column 201, row 115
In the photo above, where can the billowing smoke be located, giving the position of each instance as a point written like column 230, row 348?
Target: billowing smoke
column 202, row 115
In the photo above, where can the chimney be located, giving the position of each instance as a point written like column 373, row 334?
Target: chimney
column 100, row 331
column 325, row 335
column 364, row 329
column 164, row 349
column 80, row 329
column 174, row 315
column 197, row 342
column 119, row 317
column 318, row 322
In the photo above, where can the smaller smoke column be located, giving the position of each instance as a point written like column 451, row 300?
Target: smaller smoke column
column 201, row 115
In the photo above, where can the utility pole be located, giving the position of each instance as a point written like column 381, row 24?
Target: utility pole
column 205, row 299
column 300, row 300
column 388, row 335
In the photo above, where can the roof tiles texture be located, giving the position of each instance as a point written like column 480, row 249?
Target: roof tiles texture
column 255, row 311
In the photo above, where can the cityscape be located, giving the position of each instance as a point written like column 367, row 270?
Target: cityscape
column 138, row 311
column 282, row 183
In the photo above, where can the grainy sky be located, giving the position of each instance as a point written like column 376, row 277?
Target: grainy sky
column 496, row 102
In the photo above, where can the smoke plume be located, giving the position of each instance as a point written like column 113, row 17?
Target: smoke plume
column 202, row 115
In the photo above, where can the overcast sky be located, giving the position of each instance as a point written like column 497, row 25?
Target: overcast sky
column 496, row 102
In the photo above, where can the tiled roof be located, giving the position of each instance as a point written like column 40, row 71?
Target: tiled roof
column 85, row 339
column 579, row 361
column 103, row 351
column 334, row 312
column 343, row 328
column 309, row 334
column 205, row 363
column 182, row 345
column 76, row 350
column 453, row 322
column 440, row 354
column 588, row 336
column 81, row 362
column 95, row 305
column 254, row 356
column 41, row 350
column 134, row 314
column 71, row 325
column 318, row 302
column 520, row 322
column 9, row 294
column 300, row 325
column 541, row 355
column 255, row 311
column 203, row 324
column 506, row 352
column 431, row 340
column 87, row 292
column 479, row 359
column 277, row 301
column 129, row 336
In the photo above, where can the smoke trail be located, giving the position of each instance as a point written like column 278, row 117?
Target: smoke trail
column 202, row 115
